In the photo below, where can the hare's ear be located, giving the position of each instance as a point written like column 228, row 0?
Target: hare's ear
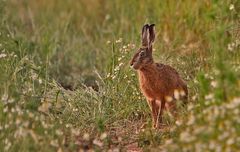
column 151, row 34
column 145, row 35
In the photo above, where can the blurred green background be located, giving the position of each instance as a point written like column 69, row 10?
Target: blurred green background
column 66, row 84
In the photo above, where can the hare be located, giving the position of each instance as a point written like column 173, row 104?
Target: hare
column 159, row 83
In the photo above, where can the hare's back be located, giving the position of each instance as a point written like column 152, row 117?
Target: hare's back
column 166, row 69
column 170, row 76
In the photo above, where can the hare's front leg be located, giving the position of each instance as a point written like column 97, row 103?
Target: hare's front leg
column 160, row 105
column 152, row 105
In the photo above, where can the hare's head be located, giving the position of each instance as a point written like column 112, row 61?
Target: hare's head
column 143, row 56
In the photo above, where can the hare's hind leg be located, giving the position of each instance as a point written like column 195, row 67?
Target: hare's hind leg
column 171, row 107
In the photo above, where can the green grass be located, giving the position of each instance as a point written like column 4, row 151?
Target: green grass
column 66, row 83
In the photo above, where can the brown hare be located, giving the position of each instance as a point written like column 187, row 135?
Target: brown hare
column 159, row 83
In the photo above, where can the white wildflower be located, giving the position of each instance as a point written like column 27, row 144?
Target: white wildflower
column 45, row 107
column 234, row 103
column 86, row 136
column 75, row 132
column 194, row 97
column 237, row 42
column 75, row 109
column 120, row 58
column 119, row 40
column 182, row 93
column 59, row 132
column 68, row 125
column 176, row 94
column 4, row 97
column 169, row 141
column 5, row 110
column 223, row 136
column 108, row 42
column 230, row 47
column 214, row 84
column 117, row 68
column 34, row 76
column 133, row 46
column 54, row 143
column 186, row 137
column 40, row 81
column 108, row 75
column 107, row 17
column 190, row 106
column 120, row 64
column 18, row 121
column 212, row 145
column 178, row 122
column 231, row 7
column 115, row 150
column 103, row 136
column 3, row 55
column 230, row 141
column 191, row 120
column 198, row 130
column 209, row 97
column 97, row 142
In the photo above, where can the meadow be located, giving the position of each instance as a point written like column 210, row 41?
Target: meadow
column 66, row 83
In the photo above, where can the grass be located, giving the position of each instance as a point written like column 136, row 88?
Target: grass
column 66, row 84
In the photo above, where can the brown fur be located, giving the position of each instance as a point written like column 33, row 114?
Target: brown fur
column 157, row 81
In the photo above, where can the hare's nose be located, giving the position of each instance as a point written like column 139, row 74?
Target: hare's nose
column 131, row 65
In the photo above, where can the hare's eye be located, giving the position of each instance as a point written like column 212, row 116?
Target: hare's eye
column 142, row 53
